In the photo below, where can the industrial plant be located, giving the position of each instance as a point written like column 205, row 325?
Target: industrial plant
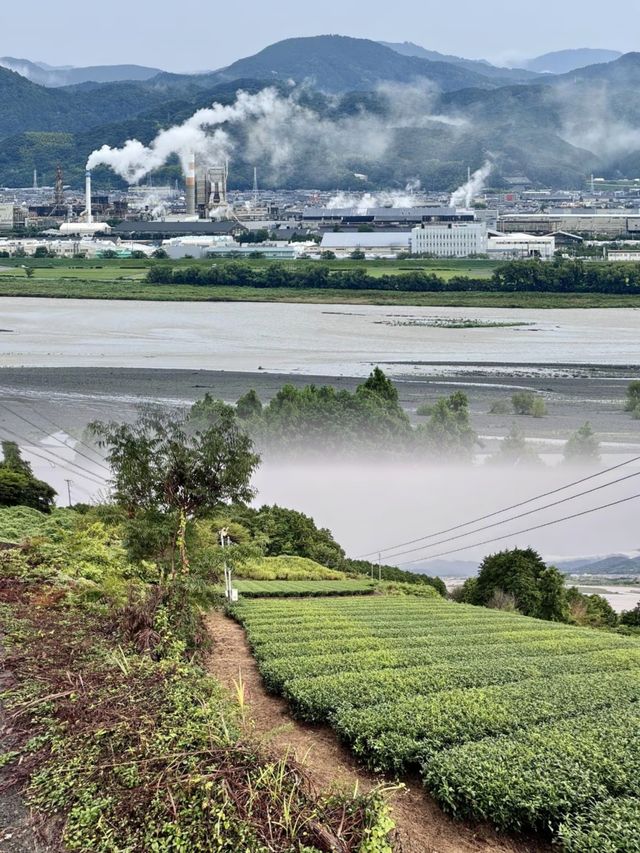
column 204, row 216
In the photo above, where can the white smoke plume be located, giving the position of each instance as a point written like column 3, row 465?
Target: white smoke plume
column 201, row 134
column 465, row 194
column 364, row 201
column 589, row 121
column 279, row 131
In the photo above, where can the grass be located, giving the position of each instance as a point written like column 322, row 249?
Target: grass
column 136, row 290
column 301, row 589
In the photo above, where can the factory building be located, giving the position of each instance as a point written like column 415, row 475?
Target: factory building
column 450, row 240
column 208, row 247
column 206, row 189
column 384, row 218
column 380, row 244
column 509, row 247
column 87, row 248
column 13, row 217
column 606, row 224
column 624, row 256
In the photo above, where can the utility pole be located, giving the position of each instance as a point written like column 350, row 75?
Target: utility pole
column 68, row 482
column 228, row 585
column 379, row 566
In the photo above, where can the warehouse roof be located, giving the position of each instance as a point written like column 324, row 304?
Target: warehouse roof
column 176, row 229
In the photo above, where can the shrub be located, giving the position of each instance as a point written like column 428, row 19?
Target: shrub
column 500, row 407
column 633, row 398
column 528, row 403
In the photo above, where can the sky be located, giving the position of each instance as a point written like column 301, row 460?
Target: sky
column 198, row 35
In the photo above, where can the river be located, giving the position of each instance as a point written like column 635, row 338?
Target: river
column 295, row 338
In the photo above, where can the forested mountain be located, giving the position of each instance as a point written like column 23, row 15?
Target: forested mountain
column 52, row 76
column 478, row 66
column 556, row 130
column 342, row 64
column 563, row 61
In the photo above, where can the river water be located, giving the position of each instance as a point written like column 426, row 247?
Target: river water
column 289, row 338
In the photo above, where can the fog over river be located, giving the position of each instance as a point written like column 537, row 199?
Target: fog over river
column 62, row 364
column 288, row 338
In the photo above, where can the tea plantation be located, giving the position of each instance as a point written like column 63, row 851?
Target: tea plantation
column 533, row 726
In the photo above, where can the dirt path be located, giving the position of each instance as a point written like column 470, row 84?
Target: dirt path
column 422, row 826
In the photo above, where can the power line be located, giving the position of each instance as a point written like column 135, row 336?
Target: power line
column 501, row 511
column 78, row 440
column 87, row 475
column 516, row 517
column 528, row 530
column 64, row 443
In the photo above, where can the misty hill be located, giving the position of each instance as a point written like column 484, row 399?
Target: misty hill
column 616, row 564
column 563, row 61
column 52, row 76
column 342, row 64
column 26, row 106
column 479, row 66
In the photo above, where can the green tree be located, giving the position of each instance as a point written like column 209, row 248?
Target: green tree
column 538, row 589
column 448, row 431
column 18, row 486
column 514, row 450
column 249, row 406
column 631, row 618
column 380, row 384
column 583, row 446
column 632, row 403
column 357, row 255
column 164, row 463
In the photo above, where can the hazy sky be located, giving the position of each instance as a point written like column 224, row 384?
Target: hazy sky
column 195, row 35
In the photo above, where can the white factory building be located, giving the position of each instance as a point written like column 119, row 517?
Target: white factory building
column 226, row 246
column 509, row 247
column 468, row 239
column 450, row 239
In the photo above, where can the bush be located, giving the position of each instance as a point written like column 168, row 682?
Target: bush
column 528, row 403
column 500, row 407
column 583, row 446
column 633, row 399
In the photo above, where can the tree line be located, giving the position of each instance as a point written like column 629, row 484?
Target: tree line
column 559, row 276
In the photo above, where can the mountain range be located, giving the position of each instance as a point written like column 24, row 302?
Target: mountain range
column 441, row 114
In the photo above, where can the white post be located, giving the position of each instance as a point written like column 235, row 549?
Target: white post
column 224, row 535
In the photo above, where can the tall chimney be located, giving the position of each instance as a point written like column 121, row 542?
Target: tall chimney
column 191, row 187
column 88, row 197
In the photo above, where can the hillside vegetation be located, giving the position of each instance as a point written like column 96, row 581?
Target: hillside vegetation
column 119, row 740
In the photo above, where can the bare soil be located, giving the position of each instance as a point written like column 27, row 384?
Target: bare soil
column 422, row 825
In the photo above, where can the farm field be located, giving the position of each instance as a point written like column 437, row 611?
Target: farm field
column 309, row 588
column 533, row 726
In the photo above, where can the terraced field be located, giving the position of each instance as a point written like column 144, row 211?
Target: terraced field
column 534, row 726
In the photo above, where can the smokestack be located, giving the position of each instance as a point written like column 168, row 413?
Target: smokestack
column 88, row 196
column 191, row 187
